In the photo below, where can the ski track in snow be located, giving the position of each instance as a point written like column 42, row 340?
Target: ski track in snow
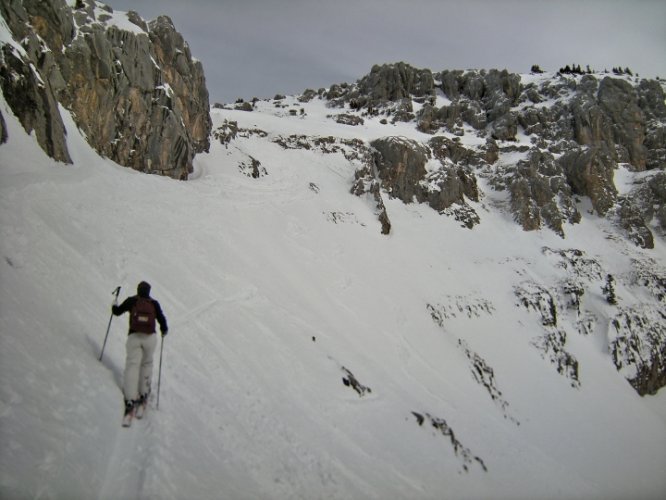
column 129, row 462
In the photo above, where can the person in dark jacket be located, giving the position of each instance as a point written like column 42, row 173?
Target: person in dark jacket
column 141, row 341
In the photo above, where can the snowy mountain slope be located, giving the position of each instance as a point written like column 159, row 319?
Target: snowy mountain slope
column 309, row 356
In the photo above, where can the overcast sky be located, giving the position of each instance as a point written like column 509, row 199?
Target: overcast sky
column 258, row 48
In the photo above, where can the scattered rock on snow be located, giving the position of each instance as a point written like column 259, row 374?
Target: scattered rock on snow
column 455, row 305
column 253, row 169
column 484, row 375
column 351, row 381
column 534, row 296
column 551, row 346
column 439, row 424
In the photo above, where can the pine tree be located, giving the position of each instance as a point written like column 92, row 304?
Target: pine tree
column 609, row 290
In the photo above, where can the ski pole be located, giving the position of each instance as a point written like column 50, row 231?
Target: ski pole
column 115, row 292
column 159, row 375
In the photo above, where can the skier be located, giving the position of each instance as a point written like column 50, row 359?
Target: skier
column 141, row 342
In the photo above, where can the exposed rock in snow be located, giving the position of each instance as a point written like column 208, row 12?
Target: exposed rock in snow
column 577, row 129
column 253, row 169
column 452, row 307
column 551, row 346
column 465, row 454
column 638, row 345
column 351, row 381
column 534, row 296
column 484, row 375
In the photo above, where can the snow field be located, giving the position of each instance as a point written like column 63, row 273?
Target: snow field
column 268, row 298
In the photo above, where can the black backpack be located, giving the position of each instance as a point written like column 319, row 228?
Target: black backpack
column 142, row 316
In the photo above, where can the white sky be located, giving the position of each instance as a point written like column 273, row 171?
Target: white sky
column 257, row 48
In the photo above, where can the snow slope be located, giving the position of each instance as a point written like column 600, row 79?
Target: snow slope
column 276, row 290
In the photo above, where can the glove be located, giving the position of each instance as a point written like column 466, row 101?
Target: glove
column 164, row 333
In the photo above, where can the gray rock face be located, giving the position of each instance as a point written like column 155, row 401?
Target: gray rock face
column 649, row 197
column 389, row 89
column 580, row 129
column 652, row 101
column 630, row 220
column 590, row 173
column 395, row 82
column 401, row 166
column 639, row 349
column 481, row 99
column 618, row 100
column 33, row 103
column 137, row 95
column 540, row 193
column 454, row 180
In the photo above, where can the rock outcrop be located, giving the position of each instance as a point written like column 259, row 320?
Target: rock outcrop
column 407, row 173
column 392, row 83
column 567, row 134
column 401, row 164
column 590, row 173
column 32, row 100
column 132, row 87
column 638, row 347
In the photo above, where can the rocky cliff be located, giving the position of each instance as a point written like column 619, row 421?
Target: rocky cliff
column 547, row 140
column 132, row 87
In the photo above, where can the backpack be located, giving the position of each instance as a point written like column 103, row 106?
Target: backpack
column 142, row 316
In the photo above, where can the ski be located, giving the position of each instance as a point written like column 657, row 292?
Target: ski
column 127, row 420
column 129, row 414
column 141, row 410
